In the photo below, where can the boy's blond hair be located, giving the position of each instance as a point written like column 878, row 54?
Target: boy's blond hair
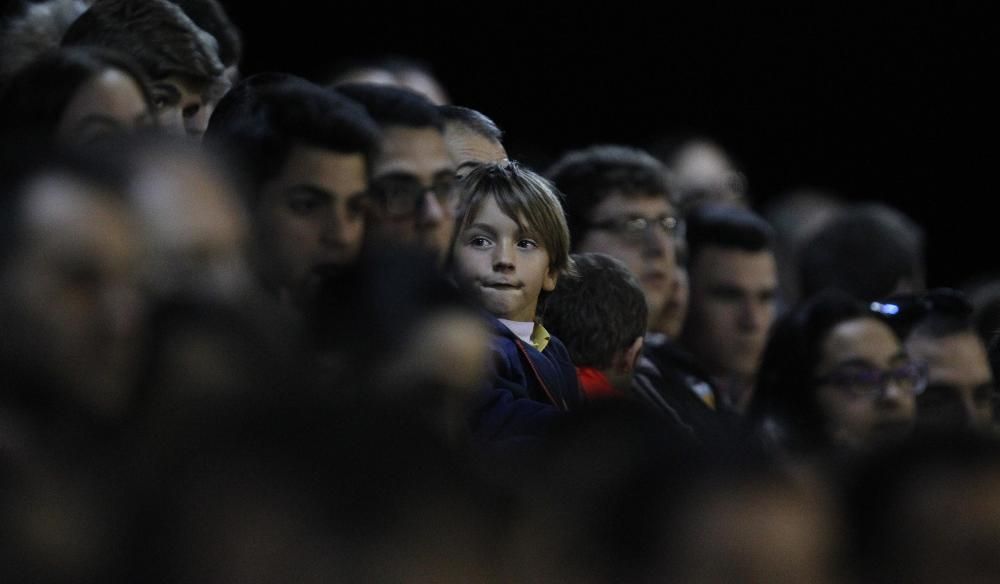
column 524, row 196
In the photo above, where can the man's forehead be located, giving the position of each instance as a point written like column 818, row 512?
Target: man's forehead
column 640, row 203
column 961, row 351
column 732, row 264
column 418, row 151
column 467, row 145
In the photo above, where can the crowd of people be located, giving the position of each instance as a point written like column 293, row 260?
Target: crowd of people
column 261, row 328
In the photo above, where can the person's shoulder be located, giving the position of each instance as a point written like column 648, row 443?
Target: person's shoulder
column 668, row 354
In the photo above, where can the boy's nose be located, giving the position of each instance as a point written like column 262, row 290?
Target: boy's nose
column 503, row 258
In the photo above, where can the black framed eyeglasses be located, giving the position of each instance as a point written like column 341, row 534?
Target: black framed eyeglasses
column 871, row 383
column 635, row 229
column 403, row 196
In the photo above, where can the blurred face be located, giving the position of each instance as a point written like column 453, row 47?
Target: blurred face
column 110, row 102
column 448, row 350
column 196, row 227
column 503, row 267
column 648, row 254
column 854, row 352
column 469, row 149
column 423, row 84
column 760, row 533
column 414, row 190
column 704, row 173
column 310, row 217
column 731, row 308
column 960, row 385
column 72, row 288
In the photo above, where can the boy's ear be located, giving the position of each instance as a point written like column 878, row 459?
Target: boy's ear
column 625, row 361
column 551, row 277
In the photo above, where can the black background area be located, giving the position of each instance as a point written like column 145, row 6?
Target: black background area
column 887, row 105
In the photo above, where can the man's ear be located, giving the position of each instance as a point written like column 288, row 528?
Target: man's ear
column 625, row 361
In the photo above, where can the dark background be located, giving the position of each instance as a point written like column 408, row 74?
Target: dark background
column 888, row 104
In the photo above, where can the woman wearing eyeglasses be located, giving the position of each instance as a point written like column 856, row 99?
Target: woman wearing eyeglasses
column 835, row 379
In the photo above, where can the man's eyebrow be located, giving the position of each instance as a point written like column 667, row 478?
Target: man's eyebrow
column 101, row 120
column 398, row 175
column 727, row 288
column 855, row 362
column 322, row 192
column 311, row 189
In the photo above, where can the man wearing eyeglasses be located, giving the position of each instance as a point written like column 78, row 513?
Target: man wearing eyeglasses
column 618, row 202
column 937, row 329
column 413, row 194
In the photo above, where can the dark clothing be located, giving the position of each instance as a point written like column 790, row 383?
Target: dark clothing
column 498, row 417
column 668, row 380
column 548, row 376
column 528, row 388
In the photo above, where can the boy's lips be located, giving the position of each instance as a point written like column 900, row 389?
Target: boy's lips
column 503, row 285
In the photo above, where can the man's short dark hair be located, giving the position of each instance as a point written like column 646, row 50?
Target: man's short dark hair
column 156, row 33
column 935, row 314
column 394, row 106
column 586, row 177
column 866, row 251
column 212, row 17
column 472, row 119
column 599, row 312
column 726, row 226
column 266, row 115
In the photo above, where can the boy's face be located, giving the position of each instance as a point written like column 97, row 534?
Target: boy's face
column 503, row 267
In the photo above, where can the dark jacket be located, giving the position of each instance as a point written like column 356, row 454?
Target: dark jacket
column 528, row 389
column 666, row 379
column 547, row 376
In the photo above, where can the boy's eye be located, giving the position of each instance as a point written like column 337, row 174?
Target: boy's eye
column 479, row 241
column 527, row 244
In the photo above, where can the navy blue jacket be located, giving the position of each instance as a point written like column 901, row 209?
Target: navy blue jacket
column 547, row 376
column 528, row 389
